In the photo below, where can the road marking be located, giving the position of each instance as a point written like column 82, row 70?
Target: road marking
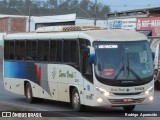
column 23, row 106
column 69, row 115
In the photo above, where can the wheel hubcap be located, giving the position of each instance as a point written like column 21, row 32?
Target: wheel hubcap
column 28, row 93
column 76, row 100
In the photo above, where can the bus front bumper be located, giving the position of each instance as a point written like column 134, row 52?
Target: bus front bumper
column 123, row 100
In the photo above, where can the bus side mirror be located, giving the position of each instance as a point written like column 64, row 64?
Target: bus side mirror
column 153, row 55
column 92, row 55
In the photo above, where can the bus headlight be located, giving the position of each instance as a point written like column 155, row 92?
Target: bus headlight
column 146, row 92
column 102, row 91
column 149, row 90
column 99, row 100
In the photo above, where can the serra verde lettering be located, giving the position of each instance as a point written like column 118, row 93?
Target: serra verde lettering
column 67, row 74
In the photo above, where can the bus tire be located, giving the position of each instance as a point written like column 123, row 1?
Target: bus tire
column 129, row 108
column 76, row 103
column 29, row 95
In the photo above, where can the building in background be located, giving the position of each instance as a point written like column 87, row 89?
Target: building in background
column 125, row 24
column 13, row 23
column 16, row 23
column 90, row 22
column 42, row 21
column 149, row 24
column 146, row 21
column 10, row 24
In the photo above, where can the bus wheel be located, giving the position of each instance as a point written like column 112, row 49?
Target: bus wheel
column 76, row 104
column 129, row 108
column 29, row 95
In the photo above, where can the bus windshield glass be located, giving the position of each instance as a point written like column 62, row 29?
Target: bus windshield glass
column 123, row 60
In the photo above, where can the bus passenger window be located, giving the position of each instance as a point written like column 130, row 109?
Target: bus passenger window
column 19, row 50
column 34, row 50
column 56, row 50
column 73, row 52
column 28, row 50
column 59, row 51
column 22, row 50
column 11, row 50
column 46, row 51
column 6, row 49
column 43, row 50
column 66, row 51
column 53, row 50
column 70, row 51
column 31, row 50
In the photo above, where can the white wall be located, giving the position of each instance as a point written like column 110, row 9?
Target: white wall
column 49, row 19
column 126, row 24
column 89, row 22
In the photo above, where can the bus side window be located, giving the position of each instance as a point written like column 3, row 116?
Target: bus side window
column 43, row 50
column 19, row 50
column 31, row 50
column 66, row 51
column 28, row 50
column 53, row 50
column 7, row 54
column 34, row 50
column 56, row 50
column 46, row 51
column 12, row 50
column 86, row 66
column 22, row 50
column 59, row 51
column 70, row 52
column 74, row 52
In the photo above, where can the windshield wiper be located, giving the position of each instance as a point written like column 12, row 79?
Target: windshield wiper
column 121, row 69
column 132, row 71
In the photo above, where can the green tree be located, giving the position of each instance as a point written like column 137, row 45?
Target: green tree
column 104, row 11
column 84, row 4
column 12, row 3
column 84, row 8
column 4, row 3
column 54, row 3
column 63, row 8
column 74, row 5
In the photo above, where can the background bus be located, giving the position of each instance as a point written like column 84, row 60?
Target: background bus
column 86, row 66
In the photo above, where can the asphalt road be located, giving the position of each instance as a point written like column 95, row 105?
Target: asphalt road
column 64, row 109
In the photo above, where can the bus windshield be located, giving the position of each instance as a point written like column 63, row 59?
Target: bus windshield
column 123, row 60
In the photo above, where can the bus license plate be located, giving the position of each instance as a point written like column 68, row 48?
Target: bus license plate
column 127, row 99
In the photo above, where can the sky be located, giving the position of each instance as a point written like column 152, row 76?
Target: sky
column 123, row 5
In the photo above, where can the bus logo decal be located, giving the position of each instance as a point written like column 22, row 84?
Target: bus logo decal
column 53, row 73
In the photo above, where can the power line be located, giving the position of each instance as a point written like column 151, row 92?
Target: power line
column 95, row 12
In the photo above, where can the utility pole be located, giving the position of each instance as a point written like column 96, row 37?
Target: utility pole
column 95, row 12
column 29, row 19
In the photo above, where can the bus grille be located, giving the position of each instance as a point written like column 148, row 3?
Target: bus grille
column 120, row 101
column 136, row 93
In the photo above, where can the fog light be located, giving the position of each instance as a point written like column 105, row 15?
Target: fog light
column 99, row 100
column 150, row 98
column 146, row 92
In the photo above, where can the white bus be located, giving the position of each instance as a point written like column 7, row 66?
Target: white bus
column 98, row 68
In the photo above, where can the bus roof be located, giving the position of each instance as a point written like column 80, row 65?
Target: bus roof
column 92, row 35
